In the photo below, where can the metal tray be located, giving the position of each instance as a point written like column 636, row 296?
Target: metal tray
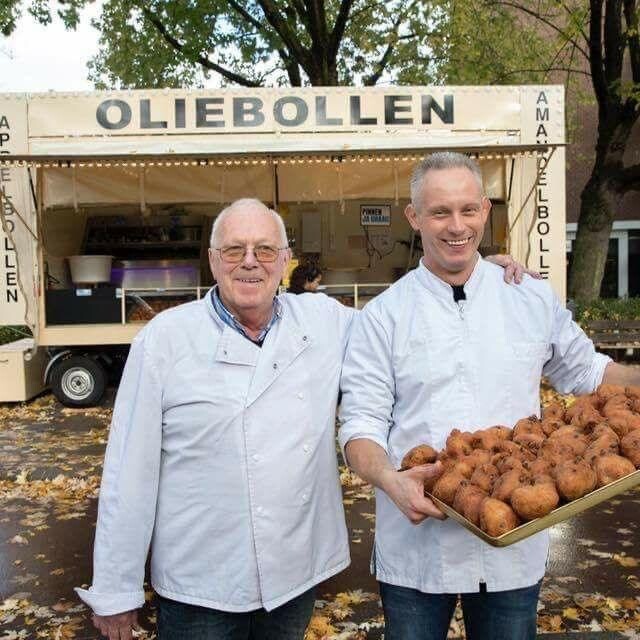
column 557, row 515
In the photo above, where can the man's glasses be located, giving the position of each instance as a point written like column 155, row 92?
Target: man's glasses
column 262, row 253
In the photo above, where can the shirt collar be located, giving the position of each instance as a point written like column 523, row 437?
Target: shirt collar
column 441, row 288
column 229, row 319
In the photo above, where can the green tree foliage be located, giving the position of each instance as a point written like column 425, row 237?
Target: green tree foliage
column 590, row 45
column 593, row 47
column 178, row 43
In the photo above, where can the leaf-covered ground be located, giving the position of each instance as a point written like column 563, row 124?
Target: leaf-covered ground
column 50, row 466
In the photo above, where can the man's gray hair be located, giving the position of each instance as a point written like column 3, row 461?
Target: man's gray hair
column 246, row 203
column 437, row 162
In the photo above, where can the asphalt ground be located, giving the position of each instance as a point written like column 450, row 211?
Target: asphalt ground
column 50, row 466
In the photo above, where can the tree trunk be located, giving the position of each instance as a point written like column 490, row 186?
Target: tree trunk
column 599, row 204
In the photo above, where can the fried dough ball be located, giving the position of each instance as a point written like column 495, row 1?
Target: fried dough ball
column 598, row 450
column 575, row 441
column 630, row 447
column 579, row 405
column 447, row 485
column 514, row 449
column 615, row 404
column 539, row 466
column 491, row 437
column 623, row 421
column 485, row 476
column 601, row 430
column 496, row 517
column 565, row 430
column 585, row 416
column 561, row 449
column 612, row 467
column 543, row 478
column 531, row 441
column 602, row 440
column 550, row 426
column 478, row 457
column 459, row 443
column 526, row 426
column 505, row 462
column 534, row 500
column 505, row 485
column 464, row 467
column 422, row 454
column 607, row 391
column 635, row 405
column 574, row 479
column 553, row 411
column 632, row 392
column 468, row 500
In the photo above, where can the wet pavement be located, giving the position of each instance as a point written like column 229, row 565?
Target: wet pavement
column 50, row 466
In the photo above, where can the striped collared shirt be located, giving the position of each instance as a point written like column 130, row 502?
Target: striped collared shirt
column 229, row 319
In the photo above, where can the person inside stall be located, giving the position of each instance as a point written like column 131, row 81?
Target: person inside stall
column 304, row 278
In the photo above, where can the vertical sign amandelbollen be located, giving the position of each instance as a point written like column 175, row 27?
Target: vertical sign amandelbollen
column 544, row 125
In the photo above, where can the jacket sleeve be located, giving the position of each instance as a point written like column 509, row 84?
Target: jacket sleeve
column 127, row 505
column 367, row 383
column 575, row 366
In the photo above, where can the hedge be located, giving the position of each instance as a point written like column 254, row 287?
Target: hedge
column 606, row 309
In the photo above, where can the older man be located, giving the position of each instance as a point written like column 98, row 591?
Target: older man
column 222, row 453
column 452, row 345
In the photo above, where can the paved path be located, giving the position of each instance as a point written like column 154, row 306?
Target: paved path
column 50, row 463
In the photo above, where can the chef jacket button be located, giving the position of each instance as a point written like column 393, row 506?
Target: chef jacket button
column 305, row 497
column 304, row 338
column 259, row 509
column 225, row 352
column 256, row 458
column 306, row 448
column 275, row 365
column 301, row 395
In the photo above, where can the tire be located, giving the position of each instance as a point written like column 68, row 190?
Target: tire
column 78, row 381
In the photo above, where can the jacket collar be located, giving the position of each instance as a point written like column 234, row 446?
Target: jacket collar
column 442, row 289
column 282, row 345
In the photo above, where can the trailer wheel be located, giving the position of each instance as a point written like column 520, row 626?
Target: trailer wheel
column 78, row 381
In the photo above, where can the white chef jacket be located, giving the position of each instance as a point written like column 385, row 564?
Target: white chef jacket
column 222, row 456
column 419, row 365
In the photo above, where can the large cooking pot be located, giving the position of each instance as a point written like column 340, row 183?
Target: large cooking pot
column 90, row 269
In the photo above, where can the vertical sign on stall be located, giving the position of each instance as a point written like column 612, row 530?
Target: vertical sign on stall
column 14, row 185
column 547, row 237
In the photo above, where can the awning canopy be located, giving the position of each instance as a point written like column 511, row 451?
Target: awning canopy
column 371, row 153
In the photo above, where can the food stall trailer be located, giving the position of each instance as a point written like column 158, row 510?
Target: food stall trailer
column 108, row 200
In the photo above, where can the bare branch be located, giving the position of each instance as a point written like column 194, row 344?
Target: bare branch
column 541, row 18
column 286, row 32
column 392, row 42
column 292, row 68
column 581, row 30
column 513, row 72
column 202, row 60
column 595, row 53
column 613, row 45
column 248, row 17
column 337, row 33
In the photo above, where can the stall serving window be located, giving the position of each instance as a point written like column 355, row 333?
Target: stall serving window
column 153, row 220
